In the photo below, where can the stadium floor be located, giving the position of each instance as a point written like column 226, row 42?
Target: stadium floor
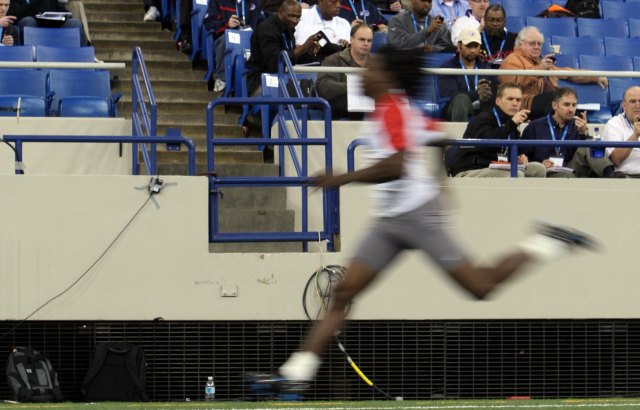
column 567, row 404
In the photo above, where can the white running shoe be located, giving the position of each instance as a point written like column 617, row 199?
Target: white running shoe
column 153, row 14
column 219, row 85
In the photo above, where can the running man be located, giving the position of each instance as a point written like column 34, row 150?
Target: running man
column 410, row 214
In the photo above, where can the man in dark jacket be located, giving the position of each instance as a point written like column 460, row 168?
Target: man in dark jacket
column 469, row 94
column 497, row 42
column 274, row 35
column 9, row 34
column 364, row 11
column 333, row 86
column 229, row 14
column 26, row 11
column 415, row 28
column 501, row 122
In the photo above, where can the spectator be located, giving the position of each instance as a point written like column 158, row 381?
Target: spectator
column 625, row 127
column 497, row 42
column 501, row 122
column 10, row 34
column 474, row 18
column 26, row 11
column 152, row 9
column 185, row 40
column 537, row 91
column 228, row 14
column 324, row 17
column 363, row 11
column 333, row 87
column 415, row 28
column 469, row 94
column 76, row 7
column 565, row 125
column 450, row 10
column 272, row 36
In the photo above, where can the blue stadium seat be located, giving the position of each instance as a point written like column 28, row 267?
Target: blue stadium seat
column 435, row 60
column 238, row 48
column 602, row 28
column 515, row 23
column 634, row 27
column 525, row 8
column 54, row 37
column 593, row 94
column 28, row 106
column 84, row 107
column 25, row 83
column 567, row 84
column 498, row 2
column 198, row 32
column 65, row 54
column 379, row 41
column 610, row 63
column 553, row 26
column 636, row 63
column 618, row 10
column 585, row 45
column 82, row 85
column 616, row 46
column 567, row 60
column 16, row 53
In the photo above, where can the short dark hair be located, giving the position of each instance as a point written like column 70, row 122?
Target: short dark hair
column 357, row 27
column 406, row 66
column 505, row 86
column 562, row 91
column 495, row 7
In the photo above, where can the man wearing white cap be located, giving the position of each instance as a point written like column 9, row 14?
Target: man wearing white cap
column 471, row 93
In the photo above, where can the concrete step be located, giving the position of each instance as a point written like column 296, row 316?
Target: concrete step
column 157, row 72
column 114, row 7
column 121, row 17
column 87, row 2
column 229, row 157
column 255, row 247
column 128, row 45
column 129, row 27
column 166, row 56
column 256, row 220
column 127, row 36
column 228, row 117
column 253, row 198
column 160, row 86
column 198, row 133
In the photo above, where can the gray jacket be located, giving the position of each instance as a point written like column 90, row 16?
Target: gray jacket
column 402, row 34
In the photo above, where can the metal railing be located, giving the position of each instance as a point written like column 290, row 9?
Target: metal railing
column 330, row 209
column 18, row 140
column 143, row 120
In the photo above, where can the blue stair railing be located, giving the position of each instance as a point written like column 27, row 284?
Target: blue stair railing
column 143, row 119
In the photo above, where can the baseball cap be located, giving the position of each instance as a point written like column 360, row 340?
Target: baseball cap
column 469, row 35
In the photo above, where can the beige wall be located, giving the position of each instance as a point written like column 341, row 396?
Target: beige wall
column 54, row 227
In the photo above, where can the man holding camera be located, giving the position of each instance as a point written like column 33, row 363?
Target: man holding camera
column 416, row 28
column 321, row 21
column 471, row 93
column 625, row 127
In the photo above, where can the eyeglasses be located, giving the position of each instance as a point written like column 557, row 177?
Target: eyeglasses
column 533, row 43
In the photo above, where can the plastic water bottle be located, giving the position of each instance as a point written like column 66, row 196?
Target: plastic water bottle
column 210, row 390
column 596, row 152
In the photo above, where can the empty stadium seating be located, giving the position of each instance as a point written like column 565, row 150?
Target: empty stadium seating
column 198, row 32
column 54, row 37
column 585, row 46
column 238, row 45
column 602, row 27
column 616, row 46
column 65, row 54
column 379, row 40
column 619, row 10
column 553, row 27
column 525, row 8
column 71, row 88
column 24, row 83
column 17, row 53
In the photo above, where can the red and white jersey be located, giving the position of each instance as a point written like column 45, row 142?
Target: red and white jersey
column 399, row 126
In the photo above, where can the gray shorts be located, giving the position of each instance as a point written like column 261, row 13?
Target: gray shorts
column 425, row 228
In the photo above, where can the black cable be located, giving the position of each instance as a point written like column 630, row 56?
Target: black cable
column 151, row 193
column 335, row 274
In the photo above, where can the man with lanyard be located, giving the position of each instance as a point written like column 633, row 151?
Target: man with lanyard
column 625, row 127
column 274, row 35
column 410, row 214
column 497, row 42
column 564, row 125
column 415, row 28
column 363, row 11
column 501, row 122
column 473, row 18
column 228, row 14
column 449, row 10
column 323, row 17
column 469, row 94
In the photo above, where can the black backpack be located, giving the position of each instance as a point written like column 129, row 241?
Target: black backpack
column 584, row 8
column 31, row 376
column 117, row 373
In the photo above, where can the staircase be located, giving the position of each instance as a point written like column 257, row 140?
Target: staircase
column 116, row 27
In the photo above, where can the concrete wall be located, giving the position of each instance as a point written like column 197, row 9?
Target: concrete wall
column 55, row 227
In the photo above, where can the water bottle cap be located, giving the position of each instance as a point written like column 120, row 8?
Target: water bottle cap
column 210, row 378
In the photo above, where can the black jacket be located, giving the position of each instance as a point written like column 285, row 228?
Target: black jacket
column 484, row 126
column 452, row 85
column 22, row 9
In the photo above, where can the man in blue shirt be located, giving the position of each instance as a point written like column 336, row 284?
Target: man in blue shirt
column 469, row 93
column 449, row 10
column 565, row 125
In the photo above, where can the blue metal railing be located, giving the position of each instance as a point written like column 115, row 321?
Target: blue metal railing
column 18, row 140
column 512, row 144
column 330, row 206
column 143, row 120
